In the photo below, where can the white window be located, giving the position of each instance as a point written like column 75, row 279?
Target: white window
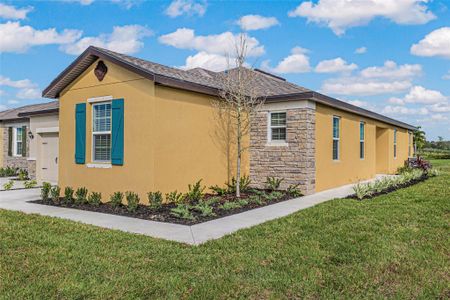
column 101, row 132
column 395, row 143
column 336, row 137
column 361, row 140
column 277, row 127
column 18, row 141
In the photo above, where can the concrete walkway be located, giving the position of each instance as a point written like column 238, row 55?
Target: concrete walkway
column 193, row 235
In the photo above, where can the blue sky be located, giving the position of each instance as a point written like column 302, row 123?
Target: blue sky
column 392, row 57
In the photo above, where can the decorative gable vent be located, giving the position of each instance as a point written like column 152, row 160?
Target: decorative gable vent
column 100, row 70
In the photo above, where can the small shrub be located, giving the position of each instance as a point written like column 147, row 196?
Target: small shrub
column 8, row 172
column 9, row 185
column 132, row 201
column 68, row 194
column 361, row 190
column 273, row 183
column 81, row 195
column 275, row 195
column 175, row 197
column 255, row 199
column 434, row 172
column 219, row 191
column 155, row 199
column 29, row 184
column 23, row 174
column 204, row 209
column 182, row 211
column 293, row 190
column 116, row 199
column 242, row 202
column 195, row 192
column 213, row 200
column 54, row 193
column 95, row 198
column 404, row 169
column 244, row 184
column 45, row 191
column 230, row 205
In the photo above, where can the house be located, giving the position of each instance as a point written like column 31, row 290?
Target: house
column 29, row 140
column 127, row 124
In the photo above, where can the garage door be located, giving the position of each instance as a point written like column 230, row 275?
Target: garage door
column 49, row 157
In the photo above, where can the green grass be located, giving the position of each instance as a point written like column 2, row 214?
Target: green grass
column 394, row 246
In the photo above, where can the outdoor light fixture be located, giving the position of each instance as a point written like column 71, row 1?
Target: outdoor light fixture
column 30, row 135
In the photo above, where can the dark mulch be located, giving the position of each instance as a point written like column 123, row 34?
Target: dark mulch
column 391, row 189
column 164, row 214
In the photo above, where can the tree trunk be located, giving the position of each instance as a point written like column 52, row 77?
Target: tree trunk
column 238, row 164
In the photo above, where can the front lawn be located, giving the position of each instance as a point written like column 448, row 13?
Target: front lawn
column 395, row 245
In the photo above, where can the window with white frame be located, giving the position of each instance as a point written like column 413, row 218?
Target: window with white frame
column 18, row 141
column 361, row 140
column 395, row 143
column 336, row 137
column 277, row 127
column 101, row 132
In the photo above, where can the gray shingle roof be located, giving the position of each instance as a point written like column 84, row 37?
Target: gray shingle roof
column 24, row 111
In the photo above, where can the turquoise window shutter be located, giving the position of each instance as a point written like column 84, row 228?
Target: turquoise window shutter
column 80, row 133
column 117, row 107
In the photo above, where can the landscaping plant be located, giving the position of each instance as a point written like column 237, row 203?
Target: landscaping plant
column 68, row 194
column 9, row 185
column 182, row 211
column 95, row 198
column 116, row 199
column 8, row 172
column 81, row 195
column 23, row 174
column 45, row 191
column 132, row 201
column 230, row 205
column 244, row 184
column 195, row 192
column 54, row 193
column 219, row 191
column 29, row 184
column 273, row 183
column 155, row 199
column 175, row 197
column 293, row 190
column 204, row 209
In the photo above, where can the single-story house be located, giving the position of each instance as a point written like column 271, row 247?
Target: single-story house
column 127, row 124
column 29, row 140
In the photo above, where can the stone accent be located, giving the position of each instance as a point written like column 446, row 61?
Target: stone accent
column 17, row 161
column 295, row 162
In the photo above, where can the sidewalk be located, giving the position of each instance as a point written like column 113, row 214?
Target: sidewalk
column 193, row 235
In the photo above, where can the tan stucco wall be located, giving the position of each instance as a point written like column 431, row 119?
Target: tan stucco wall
column 168, row 137
column 350, row 168
column 1, row 144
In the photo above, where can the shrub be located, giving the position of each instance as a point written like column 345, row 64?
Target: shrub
column 213, row 200
column 255, row 199
column 45, row 191
column 81, row 195
column 174, row 197
column 362, row 190
column 68, row 194
column 293, row 190
column 29, row 184
column 116, row 199
column 204, row 209
column 404, row 169
column 95, row 198
column 434, row 172
column 132, row 201
column 219, row 191
column 230, row 205
column 275, row 195
column 9, row 185
column 273, row 183
column 8, row 172
column 244, row 184
column 195, row 192
column 23, row 174
column 155, row 199
column 54, row 193
column 182, row 211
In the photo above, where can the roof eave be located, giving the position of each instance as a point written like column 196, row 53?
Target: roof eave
column 40, row 112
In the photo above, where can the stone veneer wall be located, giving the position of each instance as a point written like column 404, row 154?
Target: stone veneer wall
column 294, row 162
column 18, row 161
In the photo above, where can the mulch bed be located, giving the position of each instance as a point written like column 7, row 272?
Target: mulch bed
column 391, row 189
column 163, row 214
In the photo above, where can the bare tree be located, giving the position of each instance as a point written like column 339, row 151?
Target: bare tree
column 239, row 100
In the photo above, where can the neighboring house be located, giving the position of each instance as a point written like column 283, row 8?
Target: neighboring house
column 30, row 140
column 127, row 124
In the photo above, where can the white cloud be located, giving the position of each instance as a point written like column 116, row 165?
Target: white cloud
column 363, row 87
column 17, row 38
column 221, row 44
column 256, row 22
column 340, row 15
column 335, row 66
column 296, row 62
column 26, row 88
column 439, row 117
column 443, row 107
column 419, row 94
column 82, row 2
column 124, row 39
column 402, row 110
column 390, row 70
column 10, row 12
column 436, row 43
column 28, row 93
column 13, row 102
column 185, row 7
column 3, row 107
column 361, row 50
column 446, row 76
column 213, row 62
column 125, row 3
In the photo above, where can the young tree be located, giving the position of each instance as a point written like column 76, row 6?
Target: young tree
column 419, row 139
column 239, row 100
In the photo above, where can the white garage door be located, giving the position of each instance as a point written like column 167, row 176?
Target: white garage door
column 49, row 157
